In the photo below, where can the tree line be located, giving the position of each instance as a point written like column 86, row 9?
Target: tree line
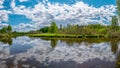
column 53, row 28
column 91, row 29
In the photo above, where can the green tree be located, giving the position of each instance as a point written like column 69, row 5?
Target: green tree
column 3, row 30
column 9, row 29
column 114, row 23
column 60, row 26
column 53, row 27
column 118, row 7
column 44, row 29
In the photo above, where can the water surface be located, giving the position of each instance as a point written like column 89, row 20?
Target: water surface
column 25, row 52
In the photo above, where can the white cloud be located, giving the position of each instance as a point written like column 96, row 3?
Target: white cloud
column 23, row 0
column 24, row 27
column 13, row 4
column 4, row 15
column 1, row 3
column 78, row 13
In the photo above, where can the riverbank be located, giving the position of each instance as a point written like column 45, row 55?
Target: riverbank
column 67, row 35
column 53, row 35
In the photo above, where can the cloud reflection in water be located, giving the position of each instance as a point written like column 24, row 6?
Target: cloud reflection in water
column 41, row 51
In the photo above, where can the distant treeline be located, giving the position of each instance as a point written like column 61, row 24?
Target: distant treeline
column 112, row 30
column 91, row 30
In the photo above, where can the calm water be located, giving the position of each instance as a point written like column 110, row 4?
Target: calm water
column 25, row 52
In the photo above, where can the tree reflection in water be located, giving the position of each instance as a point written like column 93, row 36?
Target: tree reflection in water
column 114, row 49
column 114, row 46
column 70, row 41
column 54, row 42
column 6, row 40
column 118, row 60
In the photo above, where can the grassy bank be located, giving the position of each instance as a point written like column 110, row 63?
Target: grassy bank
column 66, row 35
column 53, row 35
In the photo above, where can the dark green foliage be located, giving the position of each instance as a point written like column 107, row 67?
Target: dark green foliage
column 52, row 29
column 7, row 29
column 45, row 29
column 3, row 30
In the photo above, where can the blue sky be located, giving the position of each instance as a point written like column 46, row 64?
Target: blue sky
column 25, row 15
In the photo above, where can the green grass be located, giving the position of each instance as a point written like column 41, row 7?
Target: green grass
column 53, row 35
column 65, row 35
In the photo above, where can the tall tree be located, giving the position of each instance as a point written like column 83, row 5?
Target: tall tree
column 53, row 27
column 9, row 29
column 60, row 26
column 3, row 30
column 118, row 10
column 118, row 7
column 114, row 23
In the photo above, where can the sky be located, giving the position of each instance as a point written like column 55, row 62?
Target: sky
column 26, row 15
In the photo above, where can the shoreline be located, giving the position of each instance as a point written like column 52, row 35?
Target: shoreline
column 70, row 36
column 50, row 35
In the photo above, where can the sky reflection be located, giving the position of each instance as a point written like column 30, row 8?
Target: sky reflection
column 27, row 50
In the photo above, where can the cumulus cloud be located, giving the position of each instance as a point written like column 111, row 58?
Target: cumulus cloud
column 23, row 0
column 1, row 3
column 24, row 27
column 78, row 13
column 13, row 4
column 4, row 15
